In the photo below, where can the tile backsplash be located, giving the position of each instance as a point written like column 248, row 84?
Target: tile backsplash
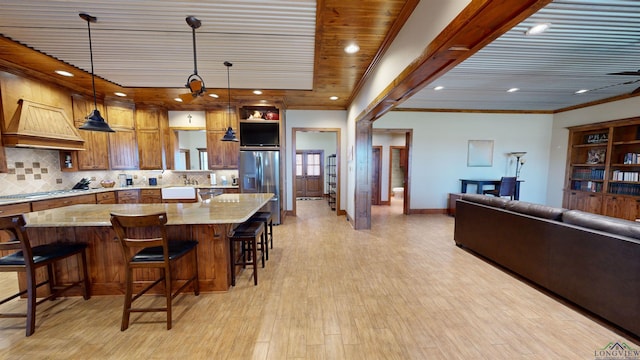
column 37, row 170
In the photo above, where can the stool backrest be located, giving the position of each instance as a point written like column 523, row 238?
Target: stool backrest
column 141, row 231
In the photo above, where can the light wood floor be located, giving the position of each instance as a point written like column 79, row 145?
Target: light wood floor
column 402, row 290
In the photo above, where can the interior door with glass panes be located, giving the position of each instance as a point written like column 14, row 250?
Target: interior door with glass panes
column 309, row 173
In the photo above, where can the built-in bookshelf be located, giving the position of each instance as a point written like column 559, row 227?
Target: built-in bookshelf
column 603, row 168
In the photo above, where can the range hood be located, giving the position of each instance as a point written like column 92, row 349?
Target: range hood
column 41, row 126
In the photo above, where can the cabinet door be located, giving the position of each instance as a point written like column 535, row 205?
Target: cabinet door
column 585, row 201
column 150, row 149
column 222, row 154
column 96, row 144
column 128, row 196
column 120, row 115
column 620, row 207
column 219, row 119
column 123, row 150
column 150, row 196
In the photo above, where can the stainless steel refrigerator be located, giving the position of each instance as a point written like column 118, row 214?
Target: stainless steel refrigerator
column 259, row 172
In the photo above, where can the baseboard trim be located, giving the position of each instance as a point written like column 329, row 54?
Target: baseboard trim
column 427, row 211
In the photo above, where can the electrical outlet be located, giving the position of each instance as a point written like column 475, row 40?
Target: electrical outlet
column 135, row 176
column 93, row 178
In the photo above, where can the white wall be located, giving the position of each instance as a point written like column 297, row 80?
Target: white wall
column 560, row 135
column 439, row 157
column 320, row 119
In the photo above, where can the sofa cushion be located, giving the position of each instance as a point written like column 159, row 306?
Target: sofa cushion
column 486, row 200
column 602, row 223
column 537, row 210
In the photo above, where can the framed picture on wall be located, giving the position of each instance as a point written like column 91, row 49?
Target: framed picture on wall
column 480, row 153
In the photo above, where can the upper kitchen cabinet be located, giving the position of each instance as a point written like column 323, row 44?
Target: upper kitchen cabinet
column 150, row 123
column 96, row 143
column 221, row 154
column 123, row 147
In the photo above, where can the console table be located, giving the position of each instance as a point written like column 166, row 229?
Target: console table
column 480, row 184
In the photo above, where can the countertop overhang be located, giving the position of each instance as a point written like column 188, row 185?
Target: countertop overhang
column 222, row 209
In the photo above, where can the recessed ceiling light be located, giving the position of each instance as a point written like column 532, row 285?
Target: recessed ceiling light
column 334, row 98
column 581, row 91
column 513, row 90
column 437, row 88
column 121, row 94
column 257, row 92
column 352, row 49
column 178, row 99
column 214, row 95
column 64, row 73
column 538, row 29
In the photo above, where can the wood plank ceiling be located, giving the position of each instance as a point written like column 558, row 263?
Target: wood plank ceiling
column 292, row 50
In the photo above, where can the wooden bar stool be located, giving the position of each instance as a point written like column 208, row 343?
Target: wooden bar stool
column 144, row 243
column 267, row 219
column 13, row 237
column 247, row 235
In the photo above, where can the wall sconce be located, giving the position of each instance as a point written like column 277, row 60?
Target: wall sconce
column 519, row 160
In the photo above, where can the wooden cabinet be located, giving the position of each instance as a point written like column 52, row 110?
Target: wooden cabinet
column 96, row 144
column 221, row 154
column 150, row 196
column 123, row 147
column 231, row 191
column 64, row 201
column 603, row 168
column 15, row 209
column 108, row 197
column 149, row 125
column 128, row 196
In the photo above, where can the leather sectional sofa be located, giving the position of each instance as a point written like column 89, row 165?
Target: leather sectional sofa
column 588, row 259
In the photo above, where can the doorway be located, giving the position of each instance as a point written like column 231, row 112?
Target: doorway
column 309, row 174
column 312, row 140
column 376, row 170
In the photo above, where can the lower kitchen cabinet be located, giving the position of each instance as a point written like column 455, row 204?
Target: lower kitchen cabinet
column 108, row 197
column 150, row 196
column 15, row 209
column 64, row 201
column 128, row 196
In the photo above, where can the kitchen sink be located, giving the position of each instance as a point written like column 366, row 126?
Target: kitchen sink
column 179, row 192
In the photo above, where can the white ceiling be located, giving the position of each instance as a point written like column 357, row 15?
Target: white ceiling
column 149, row 44
column 271, row 44
column 587, row 40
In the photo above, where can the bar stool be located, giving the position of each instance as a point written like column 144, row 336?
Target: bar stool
column 145, row 245
column 13, row 237
column 247, row 235
column 267, row 219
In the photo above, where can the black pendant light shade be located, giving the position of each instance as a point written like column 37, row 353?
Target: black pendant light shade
column 230, row 135
column 93, row 121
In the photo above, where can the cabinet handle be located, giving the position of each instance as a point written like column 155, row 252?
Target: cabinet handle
column 1, row 211
column 67, row 202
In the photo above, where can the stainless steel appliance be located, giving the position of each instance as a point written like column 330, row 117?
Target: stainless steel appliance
column 259, row 172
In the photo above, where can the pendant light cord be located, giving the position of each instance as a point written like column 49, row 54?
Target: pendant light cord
column 93, row 80
column 195, row 63
column 228, row 65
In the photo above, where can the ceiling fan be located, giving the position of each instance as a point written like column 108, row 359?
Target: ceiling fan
column 629, row 73
column 195, row 84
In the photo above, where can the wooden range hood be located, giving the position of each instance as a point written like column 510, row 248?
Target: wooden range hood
column 41, row 126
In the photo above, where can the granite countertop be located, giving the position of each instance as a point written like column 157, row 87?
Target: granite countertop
column 222, row 209
column 22, row 198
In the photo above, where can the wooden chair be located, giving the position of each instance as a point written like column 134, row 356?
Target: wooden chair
column 27, row 259
column 507, row 187
column 144, row 243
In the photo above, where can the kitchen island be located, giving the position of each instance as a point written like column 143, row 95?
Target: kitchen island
column 209, row 222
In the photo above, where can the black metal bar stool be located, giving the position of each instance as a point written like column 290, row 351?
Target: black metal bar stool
column 247, row 235
column 267, row 219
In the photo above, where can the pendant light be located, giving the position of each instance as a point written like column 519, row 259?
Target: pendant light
column 195, row 84
column 230, row 135
column 93, row 121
